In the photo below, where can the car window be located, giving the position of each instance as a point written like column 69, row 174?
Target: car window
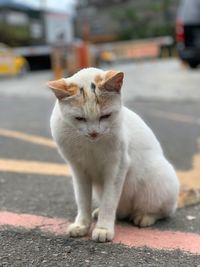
column 189, row 11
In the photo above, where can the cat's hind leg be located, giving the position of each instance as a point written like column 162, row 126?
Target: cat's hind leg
column 156, row 193
column 95, row 214
column 145, row 220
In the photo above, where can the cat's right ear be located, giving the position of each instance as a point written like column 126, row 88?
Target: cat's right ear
column 61, row 89
column 113, row 81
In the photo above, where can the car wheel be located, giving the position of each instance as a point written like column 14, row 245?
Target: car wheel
column 193, row 65
column 24, row 70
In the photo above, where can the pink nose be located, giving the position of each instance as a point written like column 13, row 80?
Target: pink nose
column 93, row 134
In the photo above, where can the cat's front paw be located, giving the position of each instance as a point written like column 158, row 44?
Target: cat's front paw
column 77, row 230
column 102, row 234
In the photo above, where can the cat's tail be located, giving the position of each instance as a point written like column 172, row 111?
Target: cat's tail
column 188, row 197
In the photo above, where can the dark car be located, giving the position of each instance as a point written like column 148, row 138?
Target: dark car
column 188, row 32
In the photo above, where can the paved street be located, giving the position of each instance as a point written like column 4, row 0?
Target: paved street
column 36, row 196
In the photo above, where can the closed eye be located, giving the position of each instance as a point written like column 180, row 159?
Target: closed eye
column 80, row 119
column 106, row 116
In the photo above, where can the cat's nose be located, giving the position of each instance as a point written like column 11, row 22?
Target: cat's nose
column 93, row 134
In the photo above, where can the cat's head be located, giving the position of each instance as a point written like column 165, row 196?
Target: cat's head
column 90, row 100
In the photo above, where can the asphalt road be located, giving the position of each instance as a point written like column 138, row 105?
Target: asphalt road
column 174, row 119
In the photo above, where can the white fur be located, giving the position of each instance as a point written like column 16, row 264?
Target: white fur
column 125, row 166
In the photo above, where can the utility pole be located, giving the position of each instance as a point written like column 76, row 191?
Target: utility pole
column 43, row 4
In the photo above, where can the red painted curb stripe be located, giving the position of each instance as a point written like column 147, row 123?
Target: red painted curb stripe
column 132, row 236
column 127, row 235
column 29, row 221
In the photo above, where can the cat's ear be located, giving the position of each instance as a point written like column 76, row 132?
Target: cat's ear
column 61, row 89
column 113, row 81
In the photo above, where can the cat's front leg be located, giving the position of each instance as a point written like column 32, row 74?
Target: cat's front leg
column 83, row 192
column 113, row 184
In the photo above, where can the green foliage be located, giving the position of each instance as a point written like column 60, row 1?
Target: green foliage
column 150, row 20
column 14, row 35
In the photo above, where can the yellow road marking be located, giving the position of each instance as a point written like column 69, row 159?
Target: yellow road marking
column 44, row 168
column 191, row 178
column 28, row 137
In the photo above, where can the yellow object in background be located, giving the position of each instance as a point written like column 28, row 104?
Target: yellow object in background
column 11, row 64
column 107, row 56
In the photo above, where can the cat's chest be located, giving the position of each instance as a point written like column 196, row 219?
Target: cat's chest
column 93, row 154
column 94, row 158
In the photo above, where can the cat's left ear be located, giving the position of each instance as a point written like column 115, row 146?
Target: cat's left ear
column 61, row 89
column 113, row 81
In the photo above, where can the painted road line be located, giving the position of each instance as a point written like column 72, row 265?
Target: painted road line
column 53, row 225
column 28, row 137
column 34, row 167
column 190, row 182
column 188, row 179
column 125, row 234
column 191, row 178
column 156, row 239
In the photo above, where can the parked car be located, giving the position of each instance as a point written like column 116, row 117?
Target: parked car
column 10, row 63
column 188, row 32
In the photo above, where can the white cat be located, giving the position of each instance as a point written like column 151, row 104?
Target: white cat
column 111, row 152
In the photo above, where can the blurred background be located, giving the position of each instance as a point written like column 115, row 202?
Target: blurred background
column 64, row 37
